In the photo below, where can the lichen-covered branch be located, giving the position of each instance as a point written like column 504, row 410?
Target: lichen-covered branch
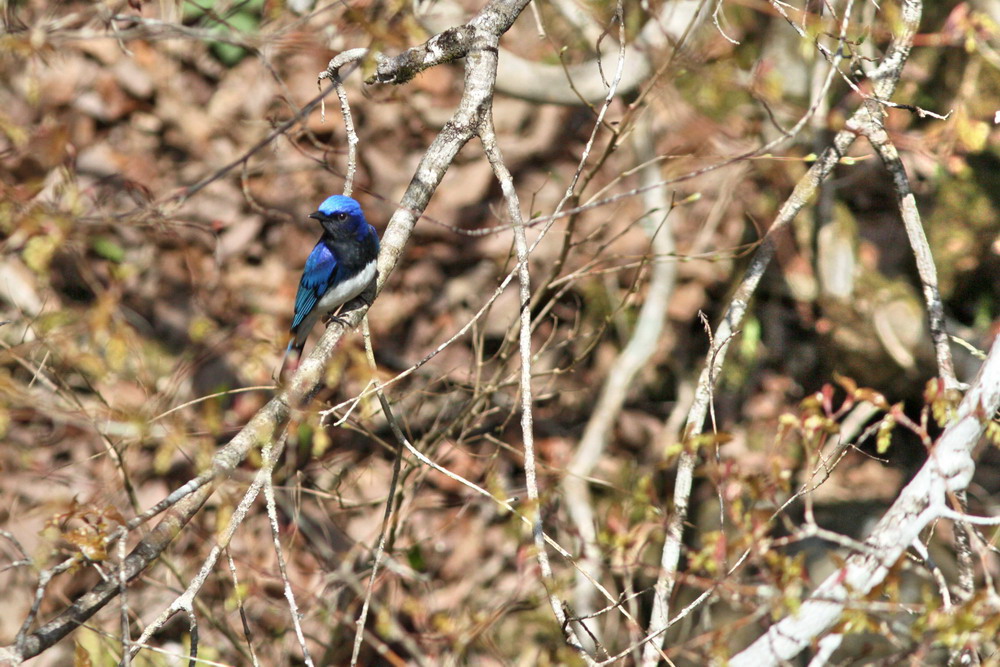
column 885, row 77
column 948, row 469
column 269, row 423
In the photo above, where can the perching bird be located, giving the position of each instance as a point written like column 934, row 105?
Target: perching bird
column 339, row 268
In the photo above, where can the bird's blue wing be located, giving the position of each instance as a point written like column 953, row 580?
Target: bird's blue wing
column 320, row 269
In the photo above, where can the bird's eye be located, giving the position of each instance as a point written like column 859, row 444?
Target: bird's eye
column 340, row 216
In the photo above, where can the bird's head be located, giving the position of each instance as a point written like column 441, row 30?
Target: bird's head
column 339, row 214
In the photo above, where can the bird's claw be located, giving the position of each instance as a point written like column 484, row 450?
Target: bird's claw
column 330, row 319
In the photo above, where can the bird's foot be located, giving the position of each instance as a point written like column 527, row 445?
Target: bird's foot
column 330, row 319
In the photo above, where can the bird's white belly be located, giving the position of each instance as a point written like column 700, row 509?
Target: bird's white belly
column 347, row 290
column 334, row 297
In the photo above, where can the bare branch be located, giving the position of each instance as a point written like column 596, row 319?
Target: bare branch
column 871, row 126
column 948, row 469
column 144, row 554
column 632, row 358
column 390, row 497
column 333, row 73
column 488, row 137
column 886, row 76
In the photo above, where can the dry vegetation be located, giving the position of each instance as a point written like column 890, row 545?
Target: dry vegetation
column 156, row 170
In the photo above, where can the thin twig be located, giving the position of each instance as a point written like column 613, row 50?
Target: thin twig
column 247, row 633
column 390, row 498
column 333, row 73
column 641, row 346
column 886, row 76
column 272, row 515
column 488, row 137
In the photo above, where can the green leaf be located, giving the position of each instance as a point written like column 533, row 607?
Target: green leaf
column 108, row 248
column 415, row 558
column 884, row 438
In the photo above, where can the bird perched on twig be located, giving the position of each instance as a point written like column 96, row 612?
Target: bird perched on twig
column 339, row 268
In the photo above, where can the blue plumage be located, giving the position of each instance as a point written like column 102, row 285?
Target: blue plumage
column 319, row 273
column 338, row 269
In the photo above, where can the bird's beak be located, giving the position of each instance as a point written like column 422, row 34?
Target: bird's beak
column 316, row 215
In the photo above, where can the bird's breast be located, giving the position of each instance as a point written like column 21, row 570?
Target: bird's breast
column 347, row 289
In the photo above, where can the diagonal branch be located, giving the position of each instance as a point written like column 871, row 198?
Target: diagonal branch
column 872, row 127
column 632, row 358
column 948, row 469
column 144, row 555
column 269, row 423
column 885, row 78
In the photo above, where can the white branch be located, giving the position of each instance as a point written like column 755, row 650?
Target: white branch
column 948, row 469
column 634, row 356
column 885, row 77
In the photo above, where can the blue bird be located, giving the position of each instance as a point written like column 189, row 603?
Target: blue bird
column 339, row 268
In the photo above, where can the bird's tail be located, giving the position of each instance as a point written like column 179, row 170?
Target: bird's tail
column 290, row 359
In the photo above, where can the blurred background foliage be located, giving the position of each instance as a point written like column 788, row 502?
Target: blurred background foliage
column 142, row 326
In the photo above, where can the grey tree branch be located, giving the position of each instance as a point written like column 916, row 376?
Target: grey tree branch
column 270, row 421
column 333, row 73
column 144, row 554
column 885, row 78
column 478, row 40
column 632, row 358
column 451, row 44
column 948, row 469
column 492, row 150
column 390, row 497
column 872, row 127
column 272, row 515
